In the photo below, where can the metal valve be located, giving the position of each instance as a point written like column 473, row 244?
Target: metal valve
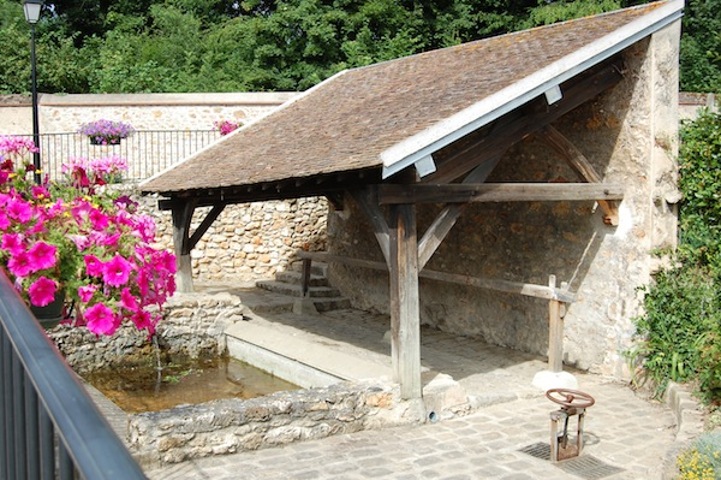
column 573, row 402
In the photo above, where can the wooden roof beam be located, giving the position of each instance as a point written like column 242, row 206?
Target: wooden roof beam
column 390, row 194
column 524, row 121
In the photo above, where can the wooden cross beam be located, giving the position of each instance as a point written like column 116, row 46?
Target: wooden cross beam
column 391, row 194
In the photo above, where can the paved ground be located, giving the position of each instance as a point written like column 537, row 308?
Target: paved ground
column 627, row 437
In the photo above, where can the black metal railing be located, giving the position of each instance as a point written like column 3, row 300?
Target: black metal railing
column 49, row 427
column 147, row 151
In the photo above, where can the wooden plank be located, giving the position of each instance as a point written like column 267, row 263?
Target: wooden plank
column 366, row 200
column 580, row 164
column 405, row 309
column 446, row 219
column 182, row 214
column 555, row 331
column 527, row 289
column 498, row 192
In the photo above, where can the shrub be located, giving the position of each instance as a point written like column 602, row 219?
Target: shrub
column 680, row 332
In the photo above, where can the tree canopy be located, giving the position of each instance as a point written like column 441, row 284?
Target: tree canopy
column 126, row 46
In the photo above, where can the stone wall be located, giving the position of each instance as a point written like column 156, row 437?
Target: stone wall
column 192, row 325
column 157, row 111
column 232, row 425
column 249, row 241
column 629, row 135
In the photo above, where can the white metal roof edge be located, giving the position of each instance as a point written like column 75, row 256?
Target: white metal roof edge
column 419, row 146
column 245, row 125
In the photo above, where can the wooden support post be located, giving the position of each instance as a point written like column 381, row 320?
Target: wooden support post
column 555, row 331
column 182, row 214
column 305, row 281
column 405, row 318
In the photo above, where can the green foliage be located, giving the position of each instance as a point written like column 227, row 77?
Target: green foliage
column 681, row 328
column 548, row 13
column 214, row 45
column 701, row 47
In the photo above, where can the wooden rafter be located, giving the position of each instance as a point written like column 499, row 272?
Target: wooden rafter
column 458, row 159
column 365, row 199
column 580, row 164
column 446, row 219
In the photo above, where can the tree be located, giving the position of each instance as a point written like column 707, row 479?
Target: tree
column 214, row 45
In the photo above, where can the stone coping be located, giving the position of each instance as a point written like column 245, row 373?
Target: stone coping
column 165, row 99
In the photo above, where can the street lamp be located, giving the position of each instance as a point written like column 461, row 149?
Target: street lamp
column 32, row 15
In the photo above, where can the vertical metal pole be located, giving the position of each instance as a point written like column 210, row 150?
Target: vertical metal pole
column 3, row 416
column 9, row 451
column 47, row 446
column 36, row 122
column 31, row 431
column 66, row 469
column 19, row 415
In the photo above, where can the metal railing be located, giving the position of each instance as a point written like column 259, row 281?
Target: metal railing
column 147, row 151
column 49, row 427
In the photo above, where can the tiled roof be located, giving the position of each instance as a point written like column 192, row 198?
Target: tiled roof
column 346, row 122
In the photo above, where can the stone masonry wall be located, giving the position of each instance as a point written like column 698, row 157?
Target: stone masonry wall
column 193, row 325
column 158, row 111
column 232, row 425
column 249, row 241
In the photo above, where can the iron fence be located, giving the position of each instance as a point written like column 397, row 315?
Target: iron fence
column 49, row 427
column 147, row 151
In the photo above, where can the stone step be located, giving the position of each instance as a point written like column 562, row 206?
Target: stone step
column 295, row 278
column 331, row 303
column 296, row 290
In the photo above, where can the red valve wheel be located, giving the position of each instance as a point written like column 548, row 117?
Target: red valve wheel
column 570, row 398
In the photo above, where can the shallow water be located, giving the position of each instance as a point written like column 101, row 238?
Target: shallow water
column 138, row 389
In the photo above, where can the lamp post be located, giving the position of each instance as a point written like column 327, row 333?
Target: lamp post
column 32, row 15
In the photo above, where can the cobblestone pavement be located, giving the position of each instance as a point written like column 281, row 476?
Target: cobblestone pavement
column 507, row 437
column 626, row 438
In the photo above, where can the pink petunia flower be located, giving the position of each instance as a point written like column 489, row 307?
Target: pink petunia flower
column 128, row 301
column 42, row 291
column 19, row 210
column 98, row 220
column 100, row 320
column 4, row 221
column 86, row 292
column 116, row 271
column 93, row 265
column 13, row 243
column 19, row 264
column 42, row 255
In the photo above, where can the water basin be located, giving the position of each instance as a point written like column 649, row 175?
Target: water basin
column 138, row 389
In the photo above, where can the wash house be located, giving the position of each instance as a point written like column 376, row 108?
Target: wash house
column 511, row 189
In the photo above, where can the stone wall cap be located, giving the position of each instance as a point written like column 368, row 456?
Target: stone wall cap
column 166, row 99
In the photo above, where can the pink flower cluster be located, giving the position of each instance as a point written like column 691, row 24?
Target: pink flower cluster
column 226, row 126
column 99, row 171
column 93, row 247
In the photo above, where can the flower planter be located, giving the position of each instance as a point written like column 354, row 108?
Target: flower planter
column 50, row 315
column 104, row 141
